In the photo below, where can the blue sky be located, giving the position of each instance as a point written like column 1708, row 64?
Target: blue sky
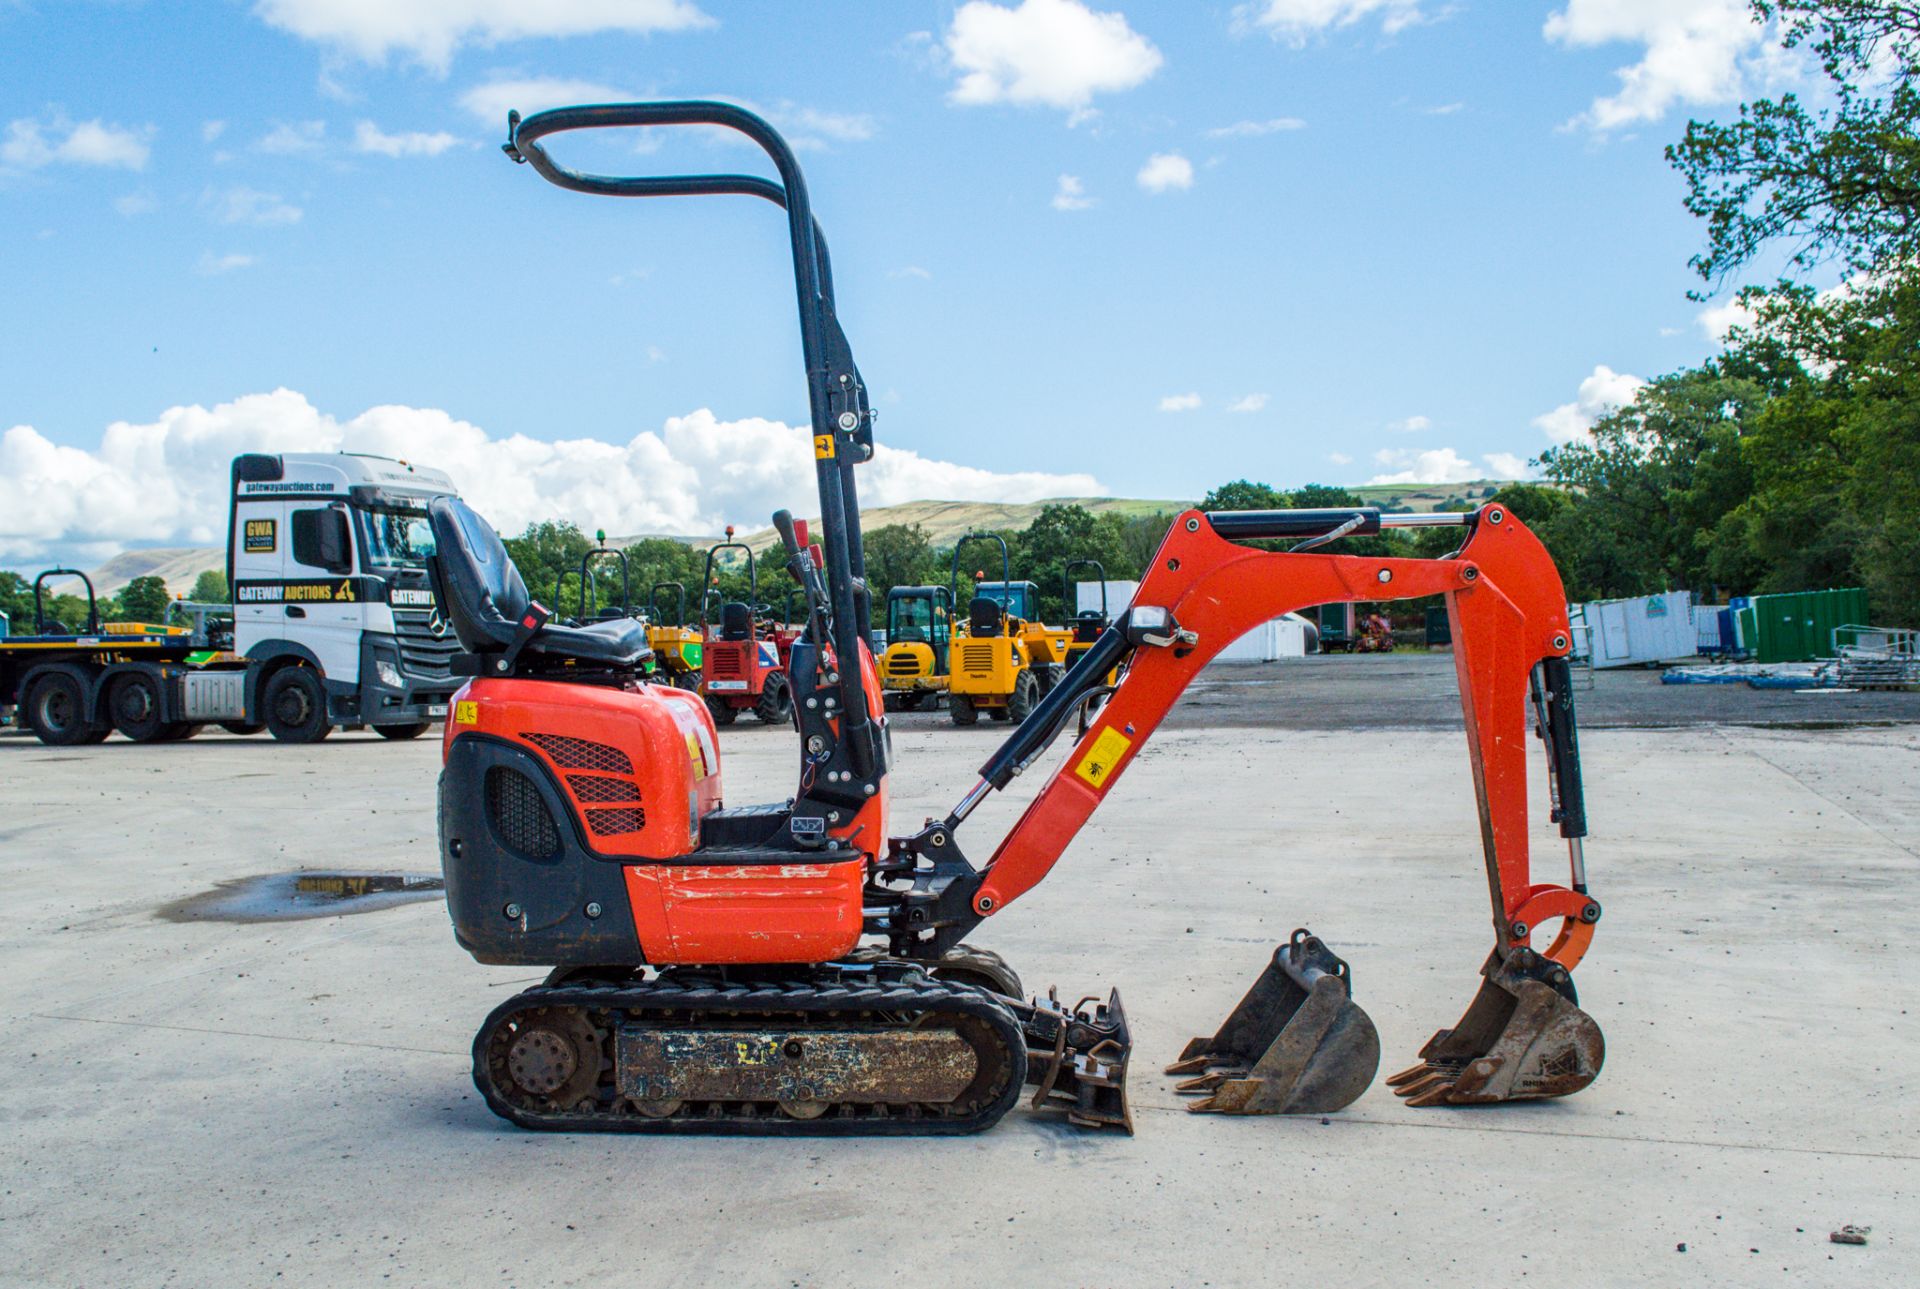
column 1125, row 247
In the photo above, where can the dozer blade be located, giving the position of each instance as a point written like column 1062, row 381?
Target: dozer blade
column 1524, row 1038
column 1078, row 1059
column 1296, row 1044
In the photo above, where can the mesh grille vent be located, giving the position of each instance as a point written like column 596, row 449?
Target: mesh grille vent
column 620, row 819
column 581, row 754
column 518, row 814
column 587, row 787
column 723, row 662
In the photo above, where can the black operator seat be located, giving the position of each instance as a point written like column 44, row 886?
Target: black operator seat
column 736, row 622
column 485, row 598
column 984, row 616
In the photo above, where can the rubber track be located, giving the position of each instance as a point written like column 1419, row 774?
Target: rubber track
column 624, row 1001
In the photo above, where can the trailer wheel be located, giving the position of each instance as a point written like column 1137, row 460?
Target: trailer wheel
column 241, row 727
column 775, row 706
column 296, row 704
column 722, row 713
column 57, row 710
column 960, row 707
column 401, row 733
column 134, row 704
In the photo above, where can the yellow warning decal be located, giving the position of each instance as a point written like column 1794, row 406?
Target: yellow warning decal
column 1109, row 745
column 466, row 713
column 696, row 757
column 822, row 446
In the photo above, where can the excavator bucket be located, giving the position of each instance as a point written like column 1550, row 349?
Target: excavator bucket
column 1296, row 1044
column 1524, row 1038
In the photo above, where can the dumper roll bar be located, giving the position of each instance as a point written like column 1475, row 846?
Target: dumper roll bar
column 842, row 420
column 1006, row 566
column 1069, row 602
column 88, row 628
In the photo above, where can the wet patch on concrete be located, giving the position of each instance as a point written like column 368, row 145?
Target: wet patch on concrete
column 291, row 897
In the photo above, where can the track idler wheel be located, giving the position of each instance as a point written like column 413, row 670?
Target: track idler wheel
column 1296, row 1044
column 1524, row 1038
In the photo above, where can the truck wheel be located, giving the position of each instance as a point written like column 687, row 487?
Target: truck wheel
column 1026, row 692
column 722, row 713
column 961, row 708
column 296, row 704
column 180, row 731
column 401, row 733
column 57, row 710
column 776, row 700
column 241, row 727
column 134, row 704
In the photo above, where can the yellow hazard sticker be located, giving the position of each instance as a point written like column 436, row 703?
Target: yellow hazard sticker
column 466, row 713
column 1109, row 745
column 696, row 757
column 822, row 446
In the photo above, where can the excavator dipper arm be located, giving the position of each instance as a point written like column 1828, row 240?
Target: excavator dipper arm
column 1508, row 615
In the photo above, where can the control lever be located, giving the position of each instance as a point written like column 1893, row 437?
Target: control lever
column 806, row 572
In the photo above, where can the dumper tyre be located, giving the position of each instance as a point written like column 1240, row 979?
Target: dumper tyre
column 961, row 708
column 775, row 704
column 723, row 712
column 133, row 703
column 296, row 706
column 401, row 733
column 56, row 710
column 1026, row 692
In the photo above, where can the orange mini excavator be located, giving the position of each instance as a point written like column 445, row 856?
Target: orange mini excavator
column 799, row 968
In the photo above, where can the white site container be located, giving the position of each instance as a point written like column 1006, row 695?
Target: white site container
column 1086, row 597
column 1644, row 630
column 1282, row 637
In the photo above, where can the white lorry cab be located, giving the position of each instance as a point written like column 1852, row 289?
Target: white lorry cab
column 332, row 608
column 332, row 624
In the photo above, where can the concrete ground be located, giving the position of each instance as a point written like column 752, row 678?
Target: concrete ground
column 214, row 1103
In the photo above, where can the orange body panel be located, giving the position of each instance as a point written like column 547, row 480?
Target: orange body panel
column 747, row 913
column 639, row 766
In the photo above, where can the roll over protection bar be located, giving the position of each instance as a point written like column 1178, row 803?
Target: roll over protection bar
column 841, row 418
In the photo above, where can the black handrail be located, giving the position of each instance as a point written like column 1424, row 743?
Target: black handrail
column 1006, row 567
column 90, row 627
column 837, row 401
column 680, row 608
column 1071, row 602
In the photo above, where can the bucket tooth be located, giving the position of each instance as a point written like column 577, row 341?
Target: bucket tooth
column 1296, row 1044
column 1523, row 1038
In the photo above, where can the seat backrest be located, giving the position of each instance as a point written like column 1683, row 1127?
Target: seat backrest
column 736, row 622
column 984, row 616
column 479, row 589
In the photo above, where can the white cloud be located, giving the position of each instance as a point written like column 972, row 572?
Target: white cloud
column 135, row 203
column 243, row 205
column 1250, row 129
column 431, row 30
column 1717, row 320
column 1048, row 53
column 912, row 271
column 1071, row 194
column 164, row 482
column 812, row 124
column 1295, row 21
column 1180, row 403
column 492, row 101
column 31, row 144
column 1505, row 465
column 1166, row 171
column 1251, row 403
column 1411, row 425
column 368, row 137
column 1445, row 109
column 212, row 265
column 1435, row 465
column 1601, row 392
column 211, row 130
column 293, row 139
column 1339, row 458
column 1693, row 52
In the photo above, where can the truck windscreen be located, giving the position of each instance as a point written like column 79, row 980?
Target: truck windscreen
column 394, row 539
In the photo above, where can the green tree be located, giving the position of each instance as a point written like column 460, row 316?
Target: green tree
column 1242, row 494
column 144, row 599
column 544, row 554
column 898, row 555
column 210, row 588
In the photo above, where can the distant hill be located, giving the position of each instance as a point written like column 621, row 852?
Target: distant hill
column 1424, row 497
column 178, row 566
column 946, row 521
